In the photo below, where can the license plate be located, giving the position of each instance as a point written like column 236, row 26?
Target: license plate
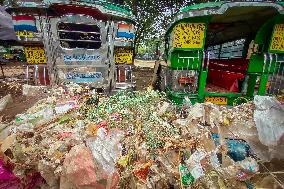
column 216, row 100
column 24, row 34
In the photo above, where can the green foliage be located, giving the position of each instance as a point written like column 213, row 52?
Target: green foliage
column 152, row 19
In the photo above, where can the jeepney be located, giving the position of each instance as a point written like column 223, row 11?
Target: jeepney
column 75, row 41
column 224, row 52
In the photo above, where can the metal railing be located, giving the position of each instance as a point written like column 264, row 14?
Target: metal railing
column 276, row 80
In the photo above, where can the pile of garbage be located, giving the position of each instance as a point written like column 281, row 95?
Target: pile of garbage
column 77, row 138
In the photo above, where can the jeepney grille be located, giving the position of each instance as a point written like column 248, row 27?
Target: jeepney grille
column 84, row 36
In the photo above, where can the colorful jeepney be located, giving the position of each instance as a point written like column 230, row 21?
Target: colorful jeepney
column 75, row 41
column 224, row 52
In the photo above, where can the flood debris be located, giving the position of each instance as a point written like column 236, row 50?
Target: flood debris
column 30, row 90
column 77, row 138
column 5, row 101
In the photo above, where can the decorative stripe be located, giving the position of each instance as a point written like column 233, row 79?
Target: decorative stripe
column 25, row 28
column 123, row 26
column 125, row 34
column 123, row 30
column 23, row 17
column 24, row 22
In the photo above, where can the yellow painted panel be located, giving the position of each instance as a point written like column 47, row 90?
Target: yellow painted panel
column 27, row 34
column 123, row 56
column 277, row 43
column 35, row 55
column 189, row 35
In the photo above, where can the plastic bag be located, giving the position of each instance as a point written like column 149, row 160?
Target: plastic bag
column 105, row 148
column 268, row 118
column 269, row 121
column 186, row 178
column 66, row 106
column 80, row 171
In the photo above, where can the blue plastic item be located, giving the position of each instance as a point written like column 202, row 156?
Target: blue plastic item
column 238, row 149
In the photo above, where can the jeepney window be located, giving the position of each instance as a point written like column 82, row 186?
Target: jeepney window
column 85, row 36
column 232, row 49
column 214, row 51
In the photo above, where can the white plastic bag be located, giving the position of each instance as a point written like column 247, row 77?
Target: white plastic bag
column 105, row 149
column 269, row 119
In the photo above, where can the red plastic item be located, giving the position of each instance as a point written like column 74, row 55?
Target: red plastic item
column 104, row 126
column 64, row 135
column 186, row 80
column 142, row 171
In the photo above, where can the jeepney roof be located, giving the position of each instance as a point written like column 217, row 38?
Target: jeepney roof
column 219, row 4
column 105, row 7
column 219, row 8
column 202, row 6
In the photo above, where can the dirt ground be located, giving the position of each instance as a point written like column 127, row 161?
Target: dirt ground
column 143, row 77
column 143, row 73
column 19, row 104
column 11, row 83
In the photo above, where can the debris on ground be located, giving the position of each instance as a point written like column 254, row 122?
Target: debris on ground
column 30, row 90
column 77, row 138
column 5, row 101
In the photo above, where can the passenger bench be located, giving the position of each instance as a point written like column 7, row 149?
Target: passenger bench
column 227, row 72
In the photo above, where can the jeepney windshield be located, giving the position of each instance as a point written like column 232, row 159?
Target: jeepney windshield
column 232, row 49
column 73, row 35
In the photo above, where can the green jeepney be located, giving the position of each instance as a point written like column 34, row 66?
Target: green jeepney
column 224, row 52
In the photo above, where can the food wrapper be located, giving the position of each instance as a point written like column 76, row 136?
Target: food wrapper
column 141, row 170
column 123, row 161
column 186, row 178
